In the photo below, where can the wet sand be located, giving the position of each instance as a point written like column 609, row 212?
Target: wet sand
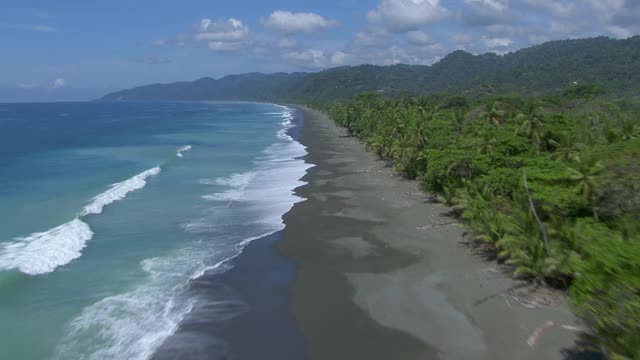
column 381, row 273
column 243, row 313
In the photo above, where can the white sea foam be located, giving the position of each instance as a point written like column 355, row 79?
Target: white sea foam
column 272, row 165
column 270, row 184
column 282, row 135
column 204, row 269
column 42, row 252
column 131, row 325
column 287, row 115
column 237, row 180
column 119, row 191
column 180, row 152
column 227, row 195
column 237, row 183
column 134, row 324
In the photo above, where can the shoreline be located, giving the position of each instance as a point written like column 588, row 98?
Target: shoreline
column 381, row 273
column 246, row 303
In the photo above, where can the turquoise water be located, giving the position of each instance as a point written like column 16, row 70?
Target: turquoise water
column 110, row 209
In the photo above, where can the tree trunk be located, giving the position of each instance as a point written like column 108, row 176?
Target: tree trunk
column 543, row 230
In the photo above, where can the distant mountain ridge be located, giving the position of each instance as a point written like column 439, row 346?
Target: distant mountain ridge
column 542, row 69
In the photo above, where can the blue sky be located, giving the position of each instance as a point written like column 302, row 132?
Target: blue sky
column 79, row 50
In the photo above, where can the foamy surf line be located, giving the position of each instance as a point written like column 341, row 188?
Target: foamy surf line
column 180, row 152
column 43, row 252
column 134, row 325
column 283, row 152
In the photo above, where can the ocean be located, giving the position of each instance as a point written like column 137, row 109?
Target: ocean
column 116, row 216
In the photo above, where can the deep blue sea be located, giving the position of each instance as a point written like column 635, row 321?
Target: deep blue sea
column 109, row 210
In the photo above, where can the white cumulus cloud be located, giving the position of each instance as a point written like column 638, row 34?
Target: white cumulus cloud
column 497, row 44
column 411, row 31
column 406, row 15
column 312, row 58
column 231, row 30
column 315, row 58
column 338, row 58
column 218, row 35
column 292, row 23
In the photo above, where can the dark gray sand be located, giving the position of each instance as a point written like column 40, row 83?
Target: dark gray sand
column 383, row 274
column 243, row 313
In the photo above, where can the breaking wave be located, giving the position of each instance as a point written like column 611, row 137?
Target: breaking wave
column 42, row 252
column 180, row 152
column 119, row 191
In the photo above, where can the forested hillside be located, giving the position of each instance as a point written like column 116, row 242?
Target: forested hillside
column 544, row 69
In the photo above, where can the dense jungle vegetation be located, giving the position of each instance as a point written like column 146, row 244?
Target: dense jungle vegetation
column 550, row 185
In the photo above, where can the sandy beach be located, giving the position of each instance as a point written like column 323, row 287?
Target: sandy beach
column 382, row 273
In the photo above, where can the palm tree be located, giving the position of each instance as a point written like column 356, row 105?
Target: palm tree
column 565, row 148
column 531, row 125
column 400, row 148
column 476, row 201
column 459, row 119
column 492, row 114
column 488, row 140
column 422, row 104
column 586, row 170
column 397, row 123
column 531, row 262
column 525, row 243
column 419, row 132
column 571, row 243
